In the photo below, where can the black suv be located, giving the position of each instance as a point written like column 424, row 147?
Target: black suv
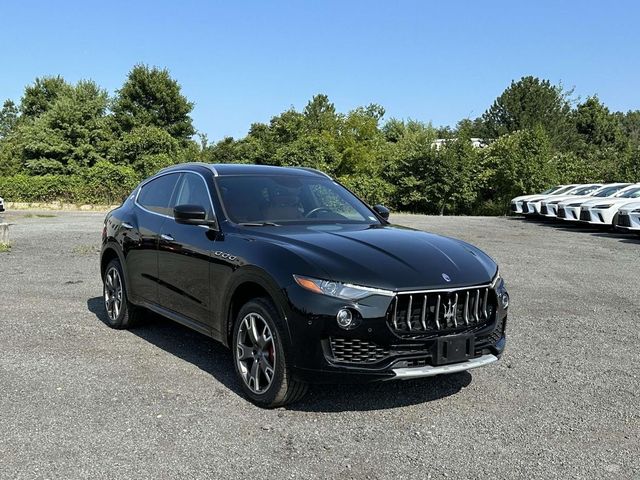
column 301, row 279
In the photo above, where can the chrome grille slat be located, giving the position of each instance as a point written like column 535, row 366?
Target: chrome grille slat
column 432, row 312
column 423, row 312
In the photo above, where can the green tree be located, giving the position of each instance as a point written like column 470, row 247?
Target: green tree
column 71, row 134
column 40, row 97
column 146, row 149
column 150, row 97
column 8, row 118
column 516, row 164
column 530, row 103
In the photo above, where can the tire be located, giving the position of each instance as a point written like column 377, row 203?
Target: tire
column 120, row 312
column 259, row 357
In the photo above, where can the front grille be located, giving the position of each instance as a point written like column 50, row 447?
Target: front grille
column 525, row 207
column 543, row 209
column 353, row 350
column 562, row 213
column 585, row 216
column 428, row 313
column 622, row 220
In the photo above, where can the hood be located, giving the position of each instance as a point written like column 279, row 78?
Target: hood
column 609, row 201
column 568, row 198
column 631, row 206
column 388, row 257
column 524, row 197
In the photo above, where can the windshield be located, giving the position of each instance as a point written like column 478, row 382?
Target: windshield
column 564, row 189
column 608, row 191
column 287, row 199
column 630, row 193
column 550, row 190
column 586, row 190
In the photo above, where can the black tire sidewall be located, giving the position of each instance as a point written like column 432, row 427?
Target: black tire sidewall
column 121, row 321
column 275, row 391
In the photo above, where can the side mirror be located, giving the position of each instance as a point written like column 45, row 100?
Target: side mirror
column 192, row 215
column 382, row 211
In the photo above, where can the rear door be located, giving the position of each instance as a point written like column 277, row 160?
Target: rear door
column 152, row 208
column 185, row 253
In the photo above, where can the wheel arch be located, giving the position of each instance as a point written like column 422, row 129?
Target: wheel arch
column 251, row 283
column 111, row 251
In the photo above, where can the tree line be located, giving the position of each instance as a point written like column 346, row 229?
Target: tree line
column 77, row 143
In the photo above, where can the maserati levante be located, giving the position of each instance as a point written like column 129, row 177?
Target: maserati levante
column 302, row 281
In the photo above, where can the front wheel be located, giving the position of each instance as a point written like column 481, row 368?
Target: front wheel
column 259, row 357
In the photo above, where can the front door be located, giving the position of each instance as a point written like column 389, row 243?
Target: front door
column 142, row 235
column 184, row 256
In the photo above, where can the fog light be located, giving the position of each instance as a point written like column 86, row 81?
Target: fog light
column 344, row 318
column 504, row 298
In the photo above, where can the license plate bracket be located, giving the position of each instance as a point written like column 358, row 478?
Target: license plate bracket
column 454, row 349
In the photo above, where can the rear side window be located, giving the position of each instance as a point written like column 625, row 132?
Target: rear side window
column 156, row 195
column 193, row 191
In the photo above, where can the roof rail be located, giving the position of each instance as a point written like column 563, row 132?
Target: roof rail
column 210, row 166
column 315, row 170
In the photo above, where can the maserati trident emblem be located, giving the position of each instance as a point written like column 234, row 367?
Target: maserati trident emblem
column 450, row 311
column 446, row 277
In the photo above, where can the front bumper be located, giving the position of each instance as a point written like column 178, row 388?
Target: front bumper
column 430, row 371
column 629, row 222
column 325, row 353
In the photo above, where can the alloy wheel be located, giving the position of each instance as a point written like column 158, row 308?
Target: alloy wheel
column 255, row 353
column 113, row 293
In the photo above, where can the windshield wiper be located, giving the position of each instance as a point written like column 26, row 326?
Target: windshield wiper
column 259, row 224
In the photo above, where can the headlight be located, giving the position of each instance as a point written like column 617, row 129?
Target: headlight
column 345, row 291
column 575, row 204
column 501, row 291
column 604, row 205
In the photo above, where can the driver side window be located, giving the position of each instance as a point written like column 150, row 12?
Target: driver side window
column 193, row 191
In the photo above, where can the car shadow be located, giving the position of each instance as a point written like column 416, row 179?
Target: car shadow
column 215, row 359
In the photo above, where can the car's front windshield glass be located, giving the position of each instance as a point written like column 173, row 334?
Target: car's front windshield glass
column 607, row 191
column 289, row 199
column 630, row 193
column 564, row 189
column 586, row 190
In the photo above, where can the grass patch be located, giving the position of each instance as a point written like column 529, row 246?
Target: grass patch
column 5, row 247
column 40, row 215
column 86, row 249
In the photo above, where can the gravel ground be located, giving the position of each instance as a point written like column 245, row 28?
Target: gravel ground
column 79, row 400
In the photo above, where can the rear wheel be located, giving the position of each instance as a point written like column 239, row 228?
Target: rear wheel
column 259, row 357
column 120, row 312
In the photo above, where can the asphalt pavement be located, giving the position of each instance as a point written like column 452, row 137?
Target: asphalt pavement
column 80, row 400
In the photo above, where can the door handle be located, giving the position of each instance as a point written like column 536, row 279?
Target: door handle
column 166, row 237
column 126, row 225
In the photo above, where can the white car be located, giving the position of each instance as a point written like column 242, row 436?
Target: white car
column 1, row 204
column 532, row 205
column 628, row 217
column 518, row 203
column 569, row 208
column 549, row 206
column 600, row 211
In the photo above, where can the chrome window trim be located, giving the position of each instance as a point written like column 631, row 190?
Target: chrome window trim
column 162, row 174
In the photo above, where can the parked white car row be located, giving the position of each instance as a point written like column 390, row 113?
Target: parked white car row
column 611, row 204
